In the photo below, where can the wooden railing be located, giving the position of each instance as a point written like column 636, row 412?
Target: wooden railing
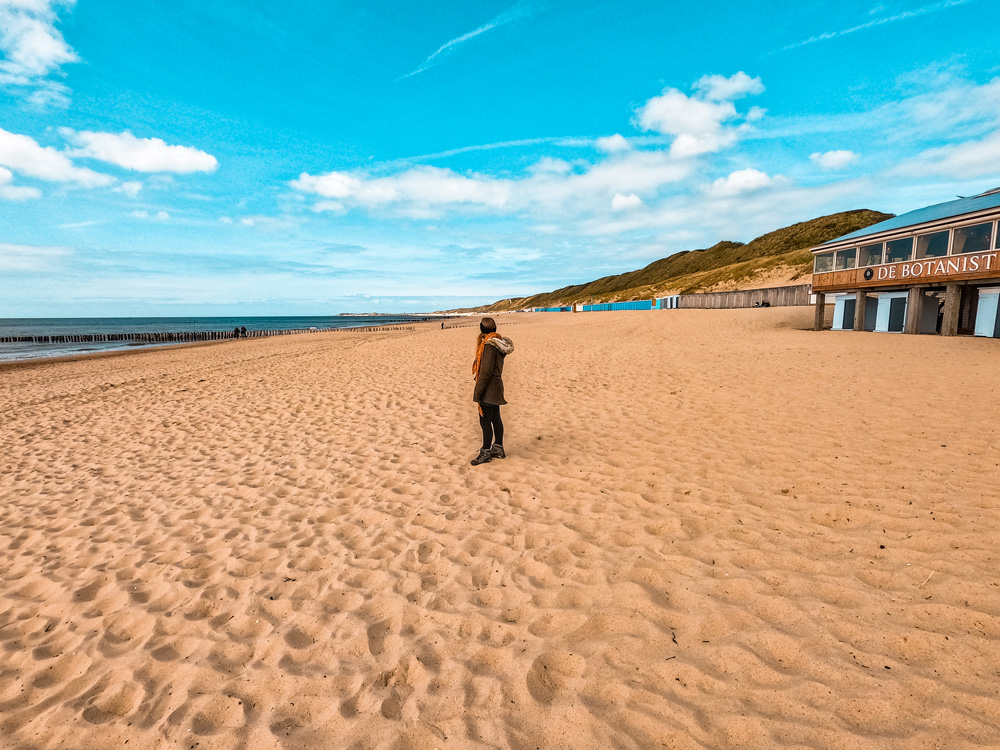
column 778, row 296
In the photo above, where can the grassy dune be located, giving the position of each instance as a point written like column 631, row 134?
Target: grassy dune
column 775, row 258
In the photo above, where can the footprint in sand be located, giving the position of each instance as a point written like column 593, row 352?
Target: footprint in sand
column 555, row 674
column 377, row 634
column 116, row 701
column 428, row 552
column 298, row 638
column 218, row 713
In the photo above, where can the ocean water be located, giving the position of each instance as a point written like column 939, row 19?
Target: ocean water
column 78, row 326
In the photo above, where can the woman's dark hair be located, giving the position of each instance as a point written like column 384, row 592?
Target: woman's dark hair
column 486, row 327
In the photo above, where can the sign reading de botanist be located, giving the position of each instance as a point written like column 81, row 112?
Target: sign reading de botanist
column 921, row 269
column 974, row 266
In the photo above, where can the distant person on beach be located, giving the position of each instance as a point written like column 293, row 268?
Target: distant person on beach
column 243, row 332
column 236, row 332
column 487, row 369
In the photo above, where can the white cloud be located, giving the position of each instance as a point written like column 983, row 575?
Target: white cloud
column 937, row 108
column 83, row 224
column 699, row 123
column 550, row 165
column 34, row 48
column 283, row 223
column 10, row 192
column 550, row 187
column 977, row 158
column 621, row 202
column 131, row 189
column 158, row 216
column 612, row 143
column 834, row 159
column 500, row 257
column 329, row 185
column 422, row 186
column 743, row 181
column 30, row 257
column 334, row 206
column 140, row 154
column 25, row 156
column 718, row 88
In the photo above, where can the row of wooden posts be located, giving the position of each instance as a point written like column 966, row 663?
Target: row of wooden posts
column 180, row 336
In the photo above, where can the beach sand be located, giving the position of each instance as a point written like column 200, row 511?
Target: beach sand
column 714, row 529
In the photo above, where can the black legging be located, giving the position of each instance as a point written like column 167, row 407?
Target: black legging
column 492, row 425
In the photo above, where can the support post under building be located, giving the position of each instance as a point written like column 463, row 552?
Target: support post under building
column 820, row 321
column 859, row 310
column 952, row 310
column 914, row 309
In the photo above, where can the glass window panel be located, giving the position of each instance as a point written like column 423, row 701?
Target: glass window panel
column 871, row 255
column 846, row 259
column 932, row 245
column 823, row 263
column 897, row 251
column 972, row 239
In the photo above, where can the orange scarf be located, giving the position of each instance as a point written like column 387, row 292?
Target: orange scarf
column 479, row 358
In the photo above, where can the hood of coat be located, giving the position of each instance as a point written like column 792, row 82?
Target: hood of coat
column 503, row 344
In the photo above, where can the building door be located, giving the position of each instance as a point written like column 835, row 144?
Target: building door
column 891, row 312
column 850, row 304
column 986, row 313
column 841, row 321
column 897, row 314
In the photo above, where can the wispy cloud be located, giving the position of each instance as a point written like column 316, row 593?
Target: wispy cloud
column 921, row 11
column 516, row 12
column 567, row 141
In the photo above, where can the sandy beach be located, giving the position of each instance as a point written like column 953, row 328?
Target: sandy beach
column 714, row 529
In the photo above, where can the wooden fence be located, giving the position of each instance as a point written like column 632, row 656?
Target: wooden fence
column 182, row 336
column 778, row 296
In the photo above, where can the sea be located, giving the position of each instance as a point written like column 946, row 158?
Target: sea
column 75, row 326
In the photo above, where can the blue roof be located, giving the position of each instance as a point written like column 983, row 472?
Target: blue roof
column 941, row 211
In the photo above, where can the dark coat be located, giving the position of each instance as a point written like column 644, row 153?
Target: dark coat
column 489, row 384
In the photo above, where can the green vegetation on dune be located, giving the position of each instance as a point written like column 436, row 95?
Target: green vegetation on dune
column 726, row 263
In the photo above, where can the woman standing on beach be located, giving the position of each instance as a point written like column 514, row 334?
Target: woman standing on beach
column 487, row 369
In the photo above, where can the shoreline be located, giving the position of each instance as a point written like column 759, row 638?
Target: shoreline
column 16, row 364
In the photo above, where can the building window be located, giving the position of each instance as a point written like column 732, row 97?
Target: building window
column 846, row 259
column 823, row 263
column 974, row 239
column 871, row 255
column 898, row 251
column 932, row 245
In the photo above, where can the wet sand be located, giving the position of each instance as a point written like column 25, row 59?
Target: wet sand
column 714, row 529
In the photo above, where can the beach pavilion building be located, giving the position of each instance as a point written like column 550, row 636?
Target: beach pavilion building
column 933, row 270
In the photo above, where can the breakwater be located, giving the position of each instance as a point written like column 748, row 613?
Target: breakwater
column 178, row 337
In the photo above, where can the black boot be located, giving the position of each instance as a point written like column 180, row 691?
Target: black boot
column 497, row 451
column 484, row 457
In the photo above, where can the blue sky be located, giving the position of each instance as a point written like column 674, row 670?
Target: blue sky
column 312, row 157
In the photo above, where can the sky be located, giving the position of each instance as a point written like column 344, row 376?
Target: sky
column 316, row 157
